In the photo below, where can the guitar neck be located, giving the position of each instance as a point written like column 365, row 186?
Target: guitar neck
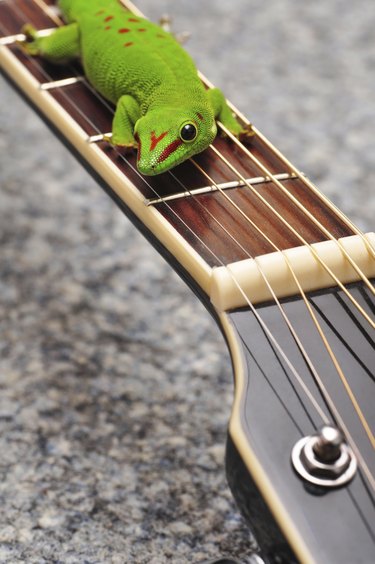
column 222, row 207
column 243, row 227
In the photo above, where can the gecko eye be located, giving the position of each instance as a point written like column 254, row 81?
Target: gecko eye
column 188, row 132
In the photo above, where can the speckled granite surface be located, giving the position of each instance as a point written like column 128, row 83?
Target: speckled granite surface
column 116, row 387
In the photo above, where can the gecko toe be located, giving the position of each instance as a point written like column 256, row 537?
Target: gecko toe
column 247, row 134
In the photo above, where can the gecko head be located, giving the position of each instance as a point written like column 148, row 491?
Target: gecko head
column 167, row 137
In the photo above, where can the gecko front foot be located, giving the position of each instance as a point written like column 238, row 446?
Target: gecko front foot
column 30, row 44
column 247, row 134
column 29, row 31
column 128, row 147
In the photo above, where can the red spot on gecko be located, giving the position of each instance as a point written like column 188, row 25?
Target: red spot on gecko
column 142, row 29
column 169, row 150
column 133, row 20
column 155, row 140
column 108, row 18
column 200, row 116
column 107, row 27
column 124, row 30
column 128, row 44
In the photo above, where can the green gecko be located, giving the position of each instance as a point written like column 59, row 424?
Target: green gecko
column 162, row 107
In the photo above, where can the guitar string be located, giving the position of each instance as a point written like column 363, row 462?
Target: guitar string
column 304, row 353
column 292, row 230
column 344, row 340
column 304, row 210
column 304, row 179
column 312, row 187
column 92, row 124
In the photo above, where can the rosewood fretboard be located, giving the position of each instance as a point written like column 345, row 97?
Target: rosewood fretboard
column 209, row 222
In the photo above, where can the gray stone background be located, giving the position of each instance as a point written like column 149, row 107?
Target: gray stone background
column 116, row 386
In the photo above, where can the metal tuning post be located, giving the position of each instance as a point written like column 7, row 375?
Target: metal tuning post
column 324, row 459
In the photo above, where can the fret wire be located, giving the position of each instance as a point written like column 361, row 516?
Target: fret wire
column 84, row 81
column 9, row 39
column 19, row 37
column 60, row 83
column 202, row 242
column 325, row 342
column 291, row 228
column 223, row 186
column 98, row 138
column 300, row 206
